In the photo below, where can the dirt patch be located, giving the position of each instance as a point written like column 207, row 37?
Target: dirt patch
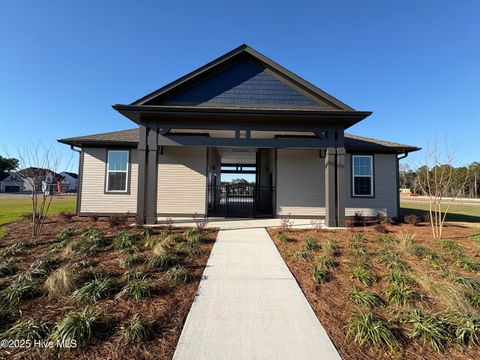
column 166, row 309
column 331, row 302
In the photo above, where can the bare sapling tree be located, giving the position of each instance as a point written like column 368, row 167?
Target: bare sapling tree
column 39, row 169
column 436, row 180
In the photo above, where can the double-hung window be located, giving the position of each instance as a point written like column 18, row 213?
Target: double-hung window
column 117, row 171
column 362, row 174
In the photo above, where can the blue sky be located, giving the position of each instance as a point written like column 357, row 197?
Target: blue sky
column 415, row 64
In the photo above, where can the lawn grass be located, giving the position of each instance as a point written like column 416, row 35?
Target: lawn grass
column 457, row 212
column 12, row 209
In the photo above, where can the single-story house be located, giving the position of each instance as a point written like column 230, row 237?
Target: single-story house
column 69, row 182
column 239, row 114
column 26, row 179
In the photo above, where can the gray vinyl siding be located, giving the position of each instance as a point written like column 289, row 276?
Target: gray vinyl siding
column 385, row 188
column 93, row 196
column 301, row 185
column 181, row 188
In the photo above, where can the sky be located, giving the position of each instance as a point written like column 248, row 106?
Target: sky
column 415, row 64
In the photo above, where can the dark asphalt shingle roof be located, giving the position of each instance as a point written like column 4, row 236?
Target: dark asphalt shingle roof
column 130, row 137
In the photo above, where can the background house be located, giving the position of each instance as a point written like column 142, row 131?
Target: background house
column 27, row 179
column 70, row 181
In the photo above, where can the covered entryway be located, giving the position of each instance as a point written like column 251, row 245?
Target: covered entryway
column 240, row 183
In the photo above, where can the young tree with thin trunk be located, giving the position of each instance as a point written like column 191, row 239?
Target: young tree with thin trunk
column 436, row 179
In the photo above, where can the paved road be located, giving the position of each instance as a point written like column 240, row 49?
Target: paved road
column 249, row 306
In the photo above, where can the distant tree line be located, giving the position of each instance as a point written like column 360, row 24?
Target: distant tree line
column 465, row 180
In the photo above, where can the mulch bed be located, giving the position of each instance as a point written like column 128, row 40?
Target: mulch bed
column 166, row 309
column 331, row 303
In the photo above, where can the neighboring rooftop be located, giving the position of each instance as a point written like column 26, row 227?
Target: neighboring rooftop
column 130, row 138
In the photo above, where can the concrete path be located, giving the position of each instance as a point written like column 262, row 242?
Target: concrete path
column 249, row 306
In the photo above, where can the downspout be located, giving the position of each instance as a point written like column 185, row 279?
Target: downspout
column 79, row 180
column 405, row 154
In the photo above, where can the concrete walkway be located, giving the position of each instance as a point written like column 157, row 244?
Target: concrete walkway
column 249, row 306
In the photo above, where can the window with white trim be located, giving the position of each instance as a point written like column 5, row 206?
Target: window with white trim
column 117, row 171
column 362, row 174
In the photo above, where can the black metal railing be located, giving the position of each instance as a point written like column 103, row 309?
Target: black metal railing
column 240, row 200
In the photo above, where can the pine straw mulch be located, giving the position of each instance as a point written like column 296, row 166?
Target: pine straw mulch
column 331, row 303
column 166, row 309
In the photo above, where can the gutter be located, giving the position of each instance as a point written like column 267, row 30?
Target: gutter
column 79, row 180
column 405, row 154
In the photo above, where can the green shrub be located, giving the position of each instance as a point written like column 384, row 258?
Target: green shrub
column 467, row 263
column 136, row 289
column 130, row 260
column 86, row 263
column 363, row 275
column 365, row 328
column 189, row 247
column 392, row 259
column 302, row 254
column 28, row 329
column 358, row 237
column 468, row 282
column 399, row 294
column 177, row 275
column 67, row 234
column 331, row 247
column 386, row 239
column 398, row 278
column 467, row 329
column 319, row 274
column 74, row 326
column 473, row 297
column 12, row 295
column 359, row 250
column 126, row 241
column 8, row 267
column 151, row 241
column 364, row 298
column 39, row 268
column 100, row 287
column 161, row 249
column 137, row 330
column 146, row 232
column 133, row 275
column 163, row 262
column 93, row 240
column 427, row 328
column 327, row 261
column 452, row 247
column 311, row 244
column 282, row 237
column 191, row 232
column 14, row 249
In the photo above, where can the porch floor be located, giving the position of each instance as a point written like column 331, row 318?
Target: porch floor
column 249, row 306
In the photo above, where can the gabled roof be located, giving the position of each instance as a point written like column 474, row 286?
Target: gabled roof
column 73, row 175
column 250, row 71
column 130, row 138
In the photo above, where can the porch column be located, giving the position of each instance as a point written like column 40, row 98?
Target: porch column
column 152, row 170
column 142, row 170
column 330, row 188
column 341, row 191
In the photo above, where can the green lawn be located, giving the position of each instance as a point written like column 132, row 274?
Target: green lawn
column 457, row 212
column 13, row 209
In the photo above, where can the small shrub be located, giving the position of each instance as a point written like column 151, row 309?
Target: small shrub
column 319, row 274
column 452, row 246
column 365, row 328
column 117, row 220
column 380, row 228
column 399, row 294
column 74, row 327
column 201, row 221
column 100, row 287
column 133, row 275
column 384, row 219
column 136, row 289
column 191, row 232
column 363, row 275
column 467, row 263
column 11, row 296
column 173, row 238
column 431, row 329
column 426, row 217
column 391, row 258
column 67, row 216
column 195, row 238
column 359, row 250
column 469, row 282
column 60, row 282
column 130, row 260
column 169, row 223
column 93, row 240
column 73, row 247
column 350, row 223
column 359, row 219
column 137, row 330
column 146, row 232
column 286, row 223
column 126, row 241
column 316, row 225
column 14, row 249
column 327, row 262
column 39, row 268
column 358, row 237
column 8, row 267
column 189, row 247
column 467, row 329
column 302, row 254
column 396, row 277
column 163, row 261
column 151, row 241
column 411, row 219
column 331, row 247
column 282, row 237
column 473, row 297
column 67, row 234
column 177, row 275
column 364, row 298
column 93, row 218
column 311, row 244
column 386, row 239
column 28, row 329
column 83, row 264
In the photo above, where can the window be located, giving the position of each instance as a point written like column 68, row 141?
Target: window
column 362, row 170
column 117, row 170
